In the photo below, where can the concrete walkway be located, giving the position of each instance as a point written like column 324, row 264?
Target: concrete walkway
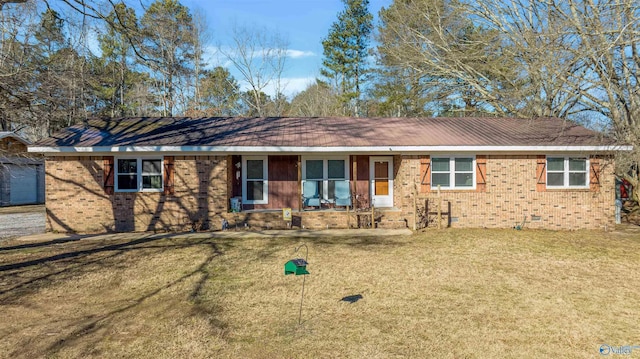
column 297, row 233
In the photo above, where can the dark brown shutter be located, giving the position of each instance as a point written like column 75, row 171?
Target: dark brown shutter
column 425, row 174
column 481, row 173
column 541, row 173
column 108, row 174
column 594, row 180
column 169, row 175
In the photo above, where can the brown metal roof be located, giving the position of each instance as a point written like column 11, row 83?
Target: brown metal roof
column 324, row 132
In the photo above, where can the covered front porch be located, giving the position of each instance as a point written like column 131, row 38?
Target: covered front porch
column 323, row 192
column 311, row 183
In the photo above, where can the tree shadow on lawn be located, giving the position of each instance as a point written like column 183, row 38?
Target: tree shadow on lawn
column 83, row 253
column 39, row 244
column 370, row 242
column 38, row 274
column 365, row 241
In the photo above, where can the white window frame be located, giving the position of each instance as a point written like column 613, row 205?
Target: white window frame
column 139, row 174
column 325, row 172
column 265, row 180
column 452, row 172
column 566, row 172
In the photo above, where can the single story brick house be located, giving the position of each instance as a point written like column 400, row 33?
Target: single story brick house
column 21, row 173
column 141, row 174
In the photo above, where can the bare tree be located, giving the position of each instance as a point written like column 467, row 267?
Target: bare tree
column 89, row 10
column 15, row 67
column 42, row 72
column 2, row 2
column 220, row 94
column 318, row 99
column 520, row 57
column 572, row 59
column 437, row 41
column 200, row 39
column 259, row 55
column 588, row 60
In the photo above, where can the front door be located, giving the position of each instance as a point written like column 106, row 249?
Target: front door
column 381, row 181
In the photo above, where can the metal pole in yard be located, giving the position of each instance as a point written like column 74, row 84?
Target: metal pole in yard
column 439, row 208
column 304, row 278
column 415, row 206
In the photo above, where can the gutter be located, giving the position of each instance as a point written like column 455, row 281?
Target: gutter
column 341, row 149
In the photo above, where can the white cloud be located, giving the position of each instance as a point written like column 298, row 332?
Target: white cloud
column 294, row 85
column 290, row 86
column 295, row 54
column 214, row 56
column 217, row 56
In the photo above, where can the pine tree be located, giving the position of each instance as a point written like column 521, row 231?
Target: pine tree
column 168, row 43
column 114, row 77
column 59, row 86
column 345, row 52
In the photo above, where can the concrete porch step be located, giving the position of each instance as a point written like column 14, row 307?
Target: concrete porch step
column 391, row 219
column 392, row 224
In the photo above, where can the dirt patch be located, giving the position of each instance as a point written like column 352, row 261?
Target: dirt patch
column 23, row 209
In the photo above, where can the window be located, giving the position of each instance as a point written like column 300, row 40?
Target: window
column 254, row 181
column 453, row 172
column 335, row 172
column 567, row 172
column 326, row 172
column 139, row 175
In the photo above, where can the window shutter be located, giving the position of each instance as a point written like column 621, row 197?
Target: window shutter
column 425, row 174
column 541, row 173
column 594, row 179
column 108, row 174
column 481, row 173
column 169, row 174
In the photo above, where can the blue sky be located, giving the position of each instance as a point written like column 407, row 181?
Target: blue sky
column 304, row 23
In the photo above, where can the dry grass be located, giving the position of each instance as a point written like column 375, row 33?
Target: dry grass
column 446, row 294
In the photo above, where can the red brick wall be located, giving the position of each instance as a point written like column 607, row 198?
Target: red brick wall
column 510, row 195
column 76, row 200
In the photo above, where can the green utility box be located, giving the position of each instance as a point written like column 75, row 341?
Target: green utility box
column 296, row 266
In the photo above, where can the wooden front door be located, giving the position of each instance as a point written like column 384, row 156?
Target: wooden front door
column 381, row 181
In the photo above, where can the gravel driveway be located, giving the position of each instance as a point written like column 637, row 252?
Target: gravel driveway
column 21, row 221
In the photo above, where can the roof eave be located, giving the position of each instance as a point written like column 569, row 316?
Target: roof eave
column 341, row 149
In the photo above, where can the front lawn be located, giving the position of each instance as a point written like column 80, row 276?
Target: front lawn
column 444, row 294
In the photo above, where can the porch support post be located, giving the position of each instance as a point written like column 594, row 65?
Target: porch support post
column 299, row 165
column 230, row 181
column 354, row 165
